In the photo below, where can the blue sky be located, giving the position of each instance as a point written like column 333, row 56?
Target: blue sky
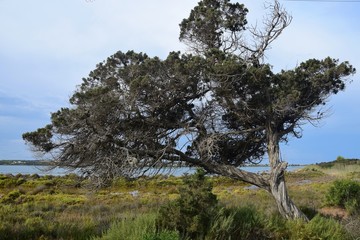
column 47, row 47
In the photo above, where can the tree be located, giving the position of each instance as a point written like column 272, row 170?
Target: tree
column 191, row 214
column 217, row 107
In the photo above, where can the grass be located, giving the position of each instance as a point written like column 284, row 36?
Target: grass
column 130, row 227
column 340, row 167
column 60, row 207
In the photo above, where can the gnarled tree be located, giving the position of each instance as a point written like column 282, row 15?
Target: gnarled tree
column 218, row 107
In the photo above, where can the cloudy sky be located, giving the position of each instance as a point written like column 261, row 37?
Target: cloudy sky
column 47, row 47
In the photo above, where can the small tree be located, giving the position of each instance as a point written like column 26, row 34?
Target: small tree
column 192, row 213
column 218, row 107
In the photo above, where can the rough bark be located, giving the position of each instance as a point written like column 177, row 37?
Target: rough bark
column 274, row 183
column 278, row 189
column 236, row 173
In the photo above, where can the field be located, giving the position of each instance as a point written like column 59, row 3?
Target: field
column 48, row 207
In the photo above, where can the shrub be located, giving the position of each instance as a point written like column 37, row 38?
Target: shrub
column 164, row 235
column 131, row 228
column 20, row 181
column 345, row 193
column 11, row 197
column 352, row 226
column 7, row 182
column 237, row 223
column 192, row 212
column 318, row 228
column 82, row 229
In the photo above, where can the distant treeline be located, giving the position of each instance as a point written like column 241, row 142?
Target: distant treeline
column 339, row 161
column 25, row 162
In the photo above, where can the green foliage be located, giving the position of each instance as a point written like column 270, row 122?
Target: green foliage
column 131, row 228
column 237, row 223
column 11, row 197
column 191, row 214
column 41, row 137
column 164, row 235
column 212, row 21
column 340, row 158
column 31, row 222
column 6, row 182
column 318, row 228
column 345, row 193
column 340, row 161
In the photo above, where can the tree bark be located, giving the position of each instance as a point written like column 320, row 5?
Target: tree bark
column 278, row 189
column 274, row 183
column 236, row 173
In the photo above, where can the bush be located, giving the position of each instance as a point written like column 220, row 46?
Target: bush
column 318, row 228
column 237, row 223
column 345, row 193
column 191, row 214
column 164, row 235
column 12, row 197
column 132, row 228
column 352, row 226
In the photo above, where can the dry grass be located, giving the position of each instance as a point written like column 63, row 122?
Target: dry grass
column 61, row 207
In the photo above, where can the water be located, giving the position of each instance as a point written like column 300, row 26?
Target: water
column 31, row 169
column 43, row 170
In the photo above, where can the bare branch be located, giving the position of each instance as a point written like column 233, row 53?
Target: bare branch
column 273, row 24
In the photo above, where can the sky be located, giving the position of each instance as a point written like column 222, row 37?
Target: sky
column 47, row 47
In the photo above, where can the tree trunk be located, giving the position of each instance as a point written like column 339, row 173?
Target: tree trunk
column 278, row 189
column 274, row 184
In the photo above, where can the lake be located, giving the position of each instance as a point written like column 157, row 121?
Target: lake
column 41, row 170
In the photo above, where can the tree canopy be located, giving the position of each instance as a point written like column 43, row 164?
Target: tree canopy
column 218, row 106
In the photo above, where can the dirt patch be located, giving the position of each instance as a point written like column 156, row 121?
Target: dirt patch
column 304, row 181
column 335, row 212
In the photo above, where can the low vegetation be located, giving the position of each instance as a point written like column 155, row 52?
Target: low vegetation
column 345, row 193
column 189, row 207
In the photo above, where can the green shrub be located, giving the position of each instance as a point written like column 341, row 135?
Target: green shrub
column 345, row 193
column 20, row 181
column 164, row 235
column 237, row 223
column 192, row 212
column 82, row 229
column 318, row 228
column 7, row 182
column 131, row 228
column 276, row 225
column 12, row 196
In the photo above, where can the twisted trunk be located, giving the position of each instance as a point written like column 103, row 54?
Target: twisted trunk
column 278, row 188
column 274, row 184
